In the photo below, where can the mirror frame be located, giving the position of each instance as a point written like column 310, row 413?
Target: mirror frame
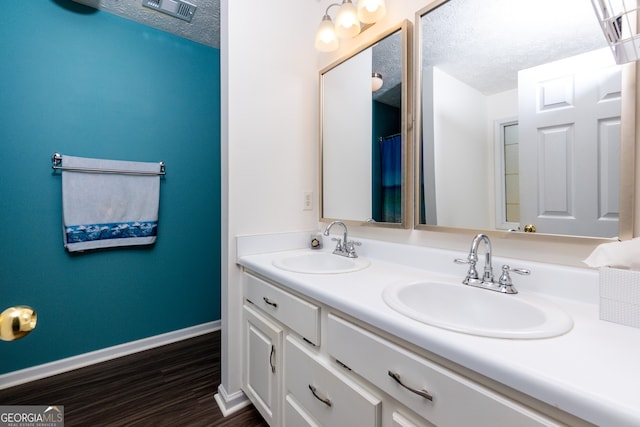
column 628, row 144
column 407, row 116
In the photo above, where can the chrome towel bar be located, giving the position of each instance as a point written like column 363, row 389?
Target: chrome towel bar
column 56, row 164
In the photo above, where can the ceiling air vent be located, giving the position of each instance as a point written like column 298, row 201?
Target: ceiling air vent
column 178, row 9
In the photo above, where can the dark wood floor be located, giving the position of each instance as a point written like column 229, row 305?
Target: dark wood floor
column 171, row 385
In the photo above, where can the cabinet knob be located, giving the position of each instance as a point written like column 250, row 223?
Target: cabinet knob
column 16, row 322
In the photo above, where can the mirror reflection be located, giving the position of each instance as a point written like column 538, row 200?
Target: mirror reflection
column 520, row 118
column 363, row 143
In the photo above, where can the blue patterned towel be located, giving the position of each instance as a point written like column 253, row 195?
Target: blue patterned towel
column 101, row 210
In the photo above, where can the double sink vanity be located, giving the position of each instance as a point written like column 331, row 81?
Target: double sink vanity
column 393, row 338
column 374, row 333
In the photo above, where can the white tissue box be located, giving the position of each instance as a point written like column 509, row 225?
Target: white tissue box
column 620, row 296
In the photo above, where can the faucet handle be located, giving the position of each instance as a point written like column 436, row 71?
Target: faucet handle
column 338, row 243
column 350, row 248
column 506, row 285
column 472, row 274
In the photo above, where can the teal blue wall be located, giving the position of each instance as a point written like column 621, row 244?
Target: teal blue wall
column 91, row 84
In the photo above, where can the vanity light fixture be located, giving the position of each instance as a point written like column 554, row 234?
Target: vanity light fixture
column 349, row 20
column 618, row 21
column 376, row 81
column 326, row 37
column 347, row 24
column 370, row 11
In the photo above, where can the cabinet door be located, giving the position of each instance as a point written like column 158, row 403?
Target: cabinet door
column 262, row 377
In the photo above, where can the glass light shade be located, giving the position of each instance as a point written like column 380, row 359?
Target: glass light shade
column 376, row 81
column 326, row 39
column 370, row 11
column 347, row 24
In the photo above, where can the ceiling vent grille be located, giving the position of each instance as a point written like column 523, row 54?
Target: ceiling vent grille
column 178, row 9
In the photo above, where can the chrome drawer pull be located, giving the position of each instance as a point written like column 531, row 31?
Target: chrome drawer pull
column 271, row 303
column 423, row 393
column 271, row 357
column 324, row 400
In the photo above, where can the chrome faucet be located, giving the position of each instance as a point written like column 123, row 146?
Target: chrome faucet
column 473, row 254
column 504, row 283
column 344, row 247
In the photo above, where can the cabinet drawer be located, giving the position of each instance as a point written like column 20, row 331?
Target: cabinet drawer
column 295, row 415
column 328, row 396
column 456, row 401
column 296, row 313
column 399, row 420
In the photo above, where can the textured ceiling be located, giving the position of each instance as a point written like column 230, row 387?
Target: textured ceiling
column 204, row 27
column 387, row 60
column 485, row 43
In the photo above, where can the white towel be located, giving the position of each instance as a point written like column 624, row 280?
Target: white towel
column 624, row 254
column 101, row 210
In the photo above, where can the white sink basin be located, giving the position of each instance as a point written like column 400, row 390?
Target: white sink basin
column 320, row 263
column 477, row 311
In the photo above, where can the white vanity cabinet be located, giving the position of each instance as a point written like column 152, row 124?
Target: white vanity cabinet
column 308, row 365
column 267, row 311
column 289, row 381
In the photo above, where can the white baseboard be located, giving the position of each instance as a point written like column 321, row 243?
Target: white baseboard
column 230, row 403
column 64, row 365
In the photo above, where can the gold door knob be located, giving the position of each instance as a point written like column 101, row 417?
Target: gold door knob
column 529, row 228
column 17, row 322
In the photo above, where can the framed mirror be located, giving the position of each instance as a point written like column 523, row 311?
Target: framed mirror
column 523, row 121
column 365, row 135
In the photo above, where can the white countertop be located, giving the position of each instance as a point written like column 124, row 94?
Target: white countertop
column 593, row 371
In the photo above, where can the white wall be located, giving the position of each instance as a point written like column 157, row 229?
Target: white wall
column 461, row 153
column 461, row 119
column 501, row 106
column 269, row 71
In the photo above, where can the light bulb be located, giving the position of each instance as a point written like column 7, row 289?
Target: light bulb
column 370, row 11
column 376, row 81
column 326, row 39
column 347, row 24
